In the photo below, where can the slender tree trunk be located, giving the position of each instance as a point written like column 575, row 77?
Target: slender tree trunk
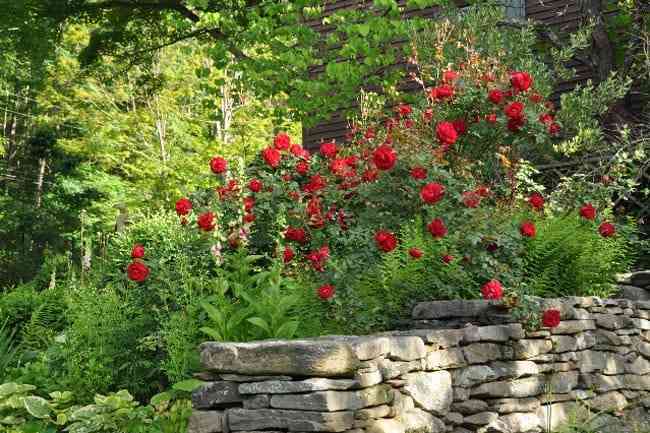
column 39, row 181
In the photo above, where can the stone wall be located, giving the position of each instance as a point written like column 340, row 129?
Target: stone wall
column 635, row 285
column 494, row 377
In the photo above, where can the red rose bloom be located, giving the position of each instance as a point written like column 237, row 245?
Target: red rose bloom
column 419, row 173
column 326, row 291
column 271, row 156
column 370, row 175
column 386, row 241
column 218, row 165
column 328, row 149
column 546, row 118
column 302, row 167
column 514, row 110
column 288, row 255
column 483, row 191
column 255, row 185
column 447, row 259
column 449, row 76
column 495, row 96
column 521, row 81
column 588, row 211
column 316, row 183
column 446, row 133
column 249, row 203
column 206, row 221
column 460, row 126
column 432, row 193
column 491, row 118
column 554, row 128
column 404, row 110
column 249, row 218
column 137, row 271
column 282, row 141
column 183, row 206
column 384, row 157
column 297, row 150
column 535, row 98
column 443, row 92
column 536, row 201
column 296, row 234
column 137, row 252
column 437, row 228
column 416, row 253
column 515, row 124
column 492, row 290
column 527, row 229
column 607, row 230
column 551, row 318
column 471, row 199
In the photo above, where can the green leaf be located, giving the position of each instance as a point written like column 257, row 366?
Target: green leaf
column 212, row 333
column 160, row 398
column 287, row 330
column 260, row 323
column 37, row 407
column 188, row 385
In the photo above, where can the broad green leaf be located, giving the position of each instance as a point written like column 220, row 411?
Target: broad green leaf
column 260, row 323
column 37, row 407
column 287, row 330
column 188, row 385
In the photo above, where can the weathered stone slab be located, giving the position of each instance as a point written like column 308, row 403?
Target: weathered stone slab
column 392, row 369
column 610, row 401
column 611, row 321
column 214, row 394
column 470, row 407
column 386, row 426
column 633, row 292
column 480, row 353
column 589, row 361
column 451, row 309
column 381, row 411
column 527, row 349
column 514, row 369
column 602, row 383
column 206, row 422
column 641, row 324
column 562, row 382
column 639, row 366
column 292, row 420
column 574, row 326
column 331, row 401
column 406, row 348
column 570, row 343
column 516, row 423
column 288, row 387
column 526, row 387
column 259, row 401
column 555, row 415
column 494, row 333
column 244, row 378
column 482, row 418
column 430, row 390
column 473, row 375
column 368, row 376
column 510, row 405
column 417, row 420
column 444, row 359
column 295, row 358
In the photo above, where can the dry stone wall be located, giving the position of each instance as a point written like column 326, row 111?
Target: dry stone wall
column 490, row 377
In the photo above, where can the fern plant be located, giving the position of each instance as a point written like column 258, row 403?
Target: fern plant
column 8, row 349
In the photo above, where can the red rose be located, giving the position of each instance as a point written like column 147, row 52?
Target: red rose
column 386, row 241
column 491, row 118
column 535, row 98
column 546, row 118
column 316, row 183
column 432, row 193
column 536, row 201
column 404, row 110
column 288, row 254
column 442, row 92
column 369, row 134
column 370, row 175
column 137, row 271
column 319, row 257
column 302, row 167
column 515, row 123
column 551, row 318
column 495, row 96
column 218, row 165
column 206, row 221
column 492, row 290
column 521, row 81
column 588, row 211
column 447, row 259
column 471, row 199
column 483, row 191
column 446, row 133
column 328, row 149
column 297, row 150
column 437, row 228
column 249, row 218
column 416, row 253
column 514, row 110
column 384, row 157
column 271, row 156
column 607, row 230
column 282, row 141
column 527, row 229
column 554, row 128
column 427, row 115
column 296, row 234
column 409, row 123
column 419, row 173
column 249, row 203
column 460, row 126
column 137, row 252
column 449, row 76
column 183, row 206
column 326, row 291
column 255, row 185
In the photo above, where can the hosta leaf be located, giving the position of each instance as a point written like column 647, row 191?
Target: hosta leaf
column 188, row 385
column 37, row 407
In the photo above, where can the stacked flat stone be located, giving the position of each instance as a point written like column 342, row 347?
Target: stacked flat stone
column 489, row 378
column 634, row 285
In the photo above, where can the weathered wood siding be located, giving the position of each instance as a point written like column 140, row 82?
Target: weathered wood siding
column 562, row 15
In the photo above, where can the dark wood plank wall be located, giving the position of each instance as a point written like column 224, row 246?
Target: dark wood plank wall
column 562, row 15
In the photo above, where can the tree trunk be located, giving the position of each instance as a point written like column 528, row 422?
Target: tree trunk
column 39, row 181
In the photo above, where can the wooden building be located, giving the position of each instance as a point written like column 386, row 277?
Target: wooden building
column 562, row 15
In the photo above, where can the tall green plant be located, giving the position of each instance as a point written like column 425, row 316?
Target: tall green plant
column 8, row 350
